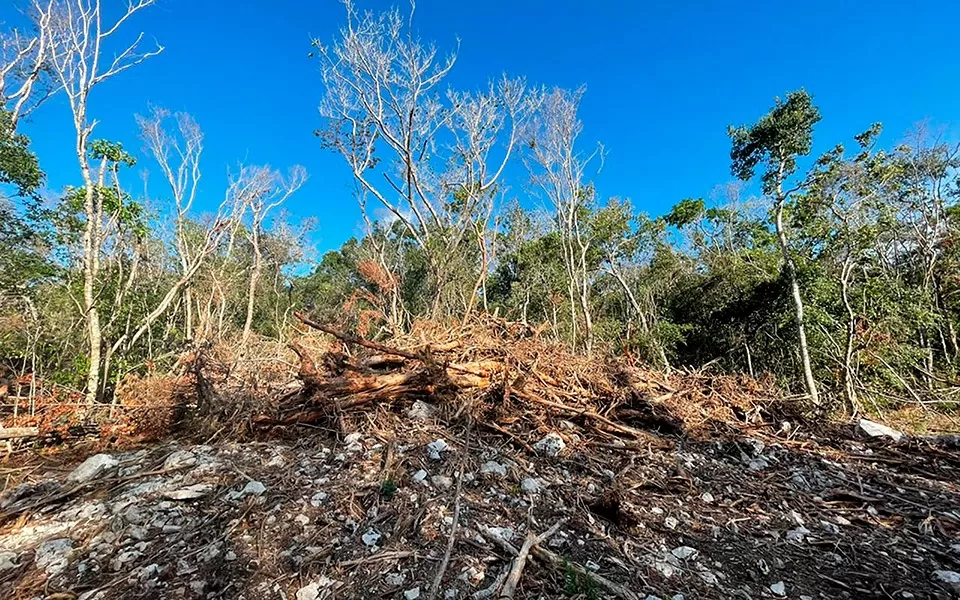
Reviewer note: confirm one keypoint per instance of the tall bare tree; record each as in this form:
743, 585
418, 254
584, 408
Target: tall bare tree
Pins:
178, 155
558, 169
261, 189
432, 162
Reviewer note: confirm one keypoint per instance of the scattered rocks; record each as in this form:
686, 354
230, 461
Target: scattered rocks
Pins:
874, 430
95, 467
550, 445
253, 488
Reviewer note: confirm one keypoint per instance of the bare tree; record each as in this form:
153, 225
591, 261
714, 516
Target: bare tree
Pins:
431, 162
261, 190
178, 154
558, 169
75, 33
23, 60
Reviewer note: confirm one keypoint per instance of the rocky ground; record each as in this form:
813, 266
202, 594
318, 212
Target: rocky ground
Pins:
779, 513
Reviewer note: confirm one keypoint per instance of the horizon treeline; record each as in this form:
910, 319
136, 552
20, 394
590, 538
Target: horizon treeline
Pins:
837, 274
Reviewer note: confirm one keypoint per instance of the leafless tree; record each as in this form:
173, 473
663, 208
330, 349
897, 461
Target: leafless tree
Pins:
431, 161
558, 169
75, 33
261, 190
178, 155
23, 61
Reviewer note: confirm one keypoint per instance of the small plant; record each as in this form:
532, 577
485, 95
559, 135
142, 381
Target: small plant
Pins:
388, 488
576, 583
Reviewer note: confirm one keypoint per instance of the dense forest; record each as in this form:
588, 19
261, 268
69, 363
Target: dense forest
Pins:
835, 275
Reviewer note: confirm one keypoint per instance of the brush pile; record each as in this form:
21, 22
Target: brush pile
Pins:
516, 383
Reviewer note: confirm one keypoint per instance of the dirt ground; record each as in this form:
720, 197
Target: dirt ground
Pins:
369, 510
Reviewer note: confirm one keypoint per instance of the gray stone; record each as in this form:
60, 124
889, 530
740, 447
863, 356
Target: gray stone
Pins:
8, 561
421, 411
798, 535
180, 459
371, 537
551, 445
309, 592
779, 589
191, 492
412, 594
253, 488
950, 578
684, 552
420, 476
394, 579
493, 468
436, 448
670, 523
530, 485
874, 430
52, 556
94, 467
442, 482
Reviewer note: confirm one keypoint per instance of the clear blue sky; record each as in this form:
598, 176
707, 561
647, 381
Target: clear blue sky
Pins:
663, 79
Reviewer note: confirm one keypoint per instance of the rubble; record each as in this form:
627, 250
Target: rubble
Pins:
94, 467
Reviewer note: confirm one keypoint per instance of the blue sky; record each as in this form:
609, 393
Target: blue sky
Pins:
663, 79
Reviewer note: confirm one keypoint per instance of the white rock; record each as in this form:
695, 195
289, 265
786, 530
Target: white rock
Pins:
371, 537
505, 533
436, 448
317, 499
955, 548
450, 594
779, 589
551, 445
592, 565
412, 594
8, 561
758, 464
843, 521
670, 523
652, 597
52, 556
421, 411
951, 578
302, 520
352, 438
707, 497
309, 592
420, 476
530, 485
191, 492
94, 467
394, 579
180, 459
442, 482
798, 535
493, 468
254, 488
684, 552
878, 430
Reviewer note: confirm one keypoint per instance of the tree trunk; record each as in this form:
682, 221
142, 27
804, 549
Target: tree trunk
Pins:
252, 290
848, 370
91, 267
791, 269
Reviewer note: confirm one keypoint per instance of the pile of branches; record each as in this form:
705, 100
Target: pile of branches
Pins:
510, 378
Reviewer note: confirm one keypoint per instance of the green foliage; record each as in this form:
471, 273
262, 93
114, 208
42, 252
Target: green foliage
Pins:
776, 140
18, 165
